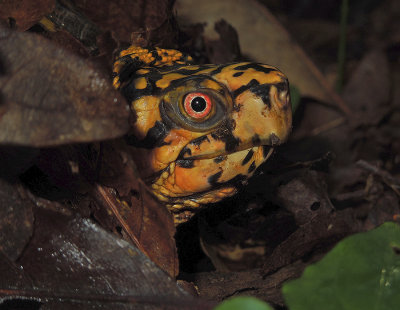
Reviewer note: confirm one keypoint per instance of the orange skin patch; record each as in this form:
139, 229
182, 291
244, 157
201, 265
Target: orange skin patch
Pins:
159, 158
166, 80
140, 83
147, 113
166, 154
254, 118
147, 57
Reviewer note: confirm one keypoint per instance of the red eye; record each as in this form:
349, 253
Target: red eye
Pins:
197, 105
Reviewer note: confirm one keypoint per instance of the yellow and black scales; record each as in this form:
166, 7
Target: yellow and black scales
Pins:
200, 130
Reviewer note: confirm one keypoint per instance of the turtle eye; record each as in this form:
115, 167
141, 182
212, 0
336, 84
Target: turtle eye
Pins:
197, 105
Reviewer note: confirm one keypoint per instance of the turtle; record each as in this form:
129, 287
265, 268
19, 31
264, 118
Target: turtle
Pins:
199, 132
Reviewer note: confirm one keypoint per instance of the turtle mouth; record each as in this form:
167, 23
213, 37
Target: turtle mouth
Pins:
185, 161
192, 182
207, 147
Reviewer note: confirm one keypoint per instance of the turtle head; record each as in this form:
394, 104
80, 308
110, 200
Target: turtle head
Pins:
199, 131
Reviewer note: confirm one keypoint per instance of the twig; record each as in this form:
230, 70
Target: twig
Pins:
360, 194
342, 44
387, 178
46, 295
109, 201
328, 126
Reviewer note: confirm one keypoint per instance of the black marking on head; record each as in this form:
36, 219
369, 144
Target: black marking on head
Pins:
274, 139
128, 74
185, 151
262, 91
219, 159
237, 74
156, 55
226, 136
248, 157
185, 163
255, 140
252, 167
283, 85
236, 107
238, 180
154, 138
155, 75
213, 179
243, 88
128, 70
217, 70
131, 93
254, 66
174, 67
266, 149
231, 142
200, 140
188, 72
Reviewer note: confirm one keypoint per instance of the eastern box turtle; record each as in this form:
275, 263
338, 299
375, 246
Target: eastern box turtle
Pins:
199, 130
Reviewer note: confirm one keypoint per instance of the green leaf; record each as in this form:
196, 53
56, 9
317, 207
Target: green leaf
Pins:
294, 97
243, 303
361, 272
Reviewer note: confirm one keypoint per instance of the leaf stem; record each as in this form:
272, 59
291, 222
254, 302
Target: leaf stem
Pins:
344, 12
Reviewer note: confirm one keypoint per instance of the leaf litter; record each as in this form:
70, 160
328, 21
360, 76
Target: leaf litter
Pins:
84, 203
332, 176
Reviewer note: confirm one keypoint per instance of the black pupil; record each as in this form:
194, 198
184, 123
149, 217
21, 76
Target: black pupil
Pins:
198, 104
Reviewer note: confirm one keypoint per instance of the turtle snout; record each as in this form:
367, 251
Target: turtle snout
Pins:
281, 98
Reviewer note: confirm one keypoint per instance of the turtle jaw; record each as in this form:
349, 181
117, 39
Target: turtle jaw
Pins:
190, 183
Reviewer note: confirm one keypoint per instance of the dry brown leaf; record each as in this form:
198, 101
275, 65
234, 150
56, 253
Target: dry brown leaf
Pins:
72, 263
227, 48
262, 39
24, 13
51, 97
16, 220
146, 222
368, 91
127, 18
106, 176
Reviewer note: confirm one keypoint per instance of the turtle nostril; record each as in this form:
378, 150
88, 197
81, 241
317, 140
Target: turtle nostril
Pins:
284, 98
280, 98
274, 139
283, 95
